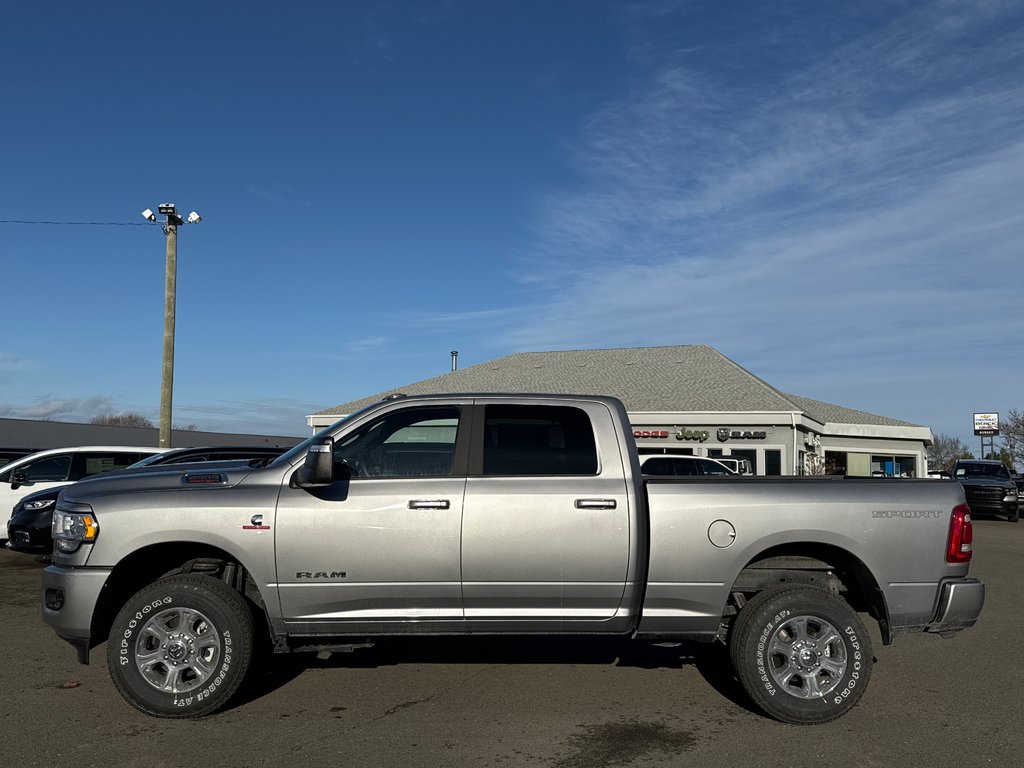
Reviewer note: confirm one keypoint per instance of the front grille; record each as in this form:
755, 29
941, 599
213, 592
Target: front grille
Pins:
986, 494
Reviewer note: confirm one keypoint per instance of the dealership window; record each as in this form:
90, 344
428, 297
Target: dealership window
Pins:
835, 462
663, 451
773, 462
893, 466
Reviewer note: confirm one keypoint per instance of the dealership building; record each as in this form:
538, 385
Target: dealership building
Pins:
694, 400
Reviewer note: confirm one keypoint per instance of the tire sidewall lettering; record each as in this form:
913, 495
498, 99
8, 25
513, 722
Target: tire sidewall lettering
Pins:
760, 658
208, 689
124, 647
854, 668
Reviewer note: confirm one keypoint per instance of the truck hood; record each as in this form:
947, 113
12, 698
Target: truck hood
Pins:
184, 477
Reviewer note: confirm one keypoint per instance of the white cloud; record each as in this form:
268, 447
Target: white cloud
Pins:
13, 362
860, 215
273, 416
49, 408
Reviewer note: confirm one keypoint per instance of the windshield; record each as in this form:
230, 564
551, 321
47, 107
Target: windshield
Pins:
298, 450
149, 460
983, 470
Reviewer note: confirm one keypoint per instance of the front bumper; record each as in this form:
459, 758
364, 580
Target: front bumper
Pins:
960, 603
992, 502
993, 507
69, 601
30, 539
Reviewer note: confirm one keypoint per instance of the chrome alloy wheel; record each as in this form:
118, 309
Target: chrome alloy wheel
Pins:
177, 650
807, 657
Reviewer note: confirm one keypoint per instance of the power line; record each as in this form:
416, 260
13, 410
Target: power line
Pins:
81, 223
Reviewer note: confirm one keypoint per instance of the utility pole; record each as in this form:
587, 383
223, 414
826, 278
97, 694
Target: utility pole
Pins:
171, 224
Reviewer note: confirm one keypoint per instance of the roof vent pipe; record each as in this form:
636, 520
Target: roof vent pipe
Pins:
455, 360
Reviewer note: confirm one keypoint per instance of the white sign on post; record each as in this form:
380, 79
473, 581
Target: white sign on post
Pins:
986, 424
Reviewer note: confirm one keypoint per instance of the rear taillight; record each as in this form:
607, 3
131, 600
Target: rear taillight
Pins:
961, 536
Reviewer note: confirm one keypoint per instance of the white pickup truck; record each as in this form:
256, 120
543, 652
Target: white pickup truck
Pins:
498, 514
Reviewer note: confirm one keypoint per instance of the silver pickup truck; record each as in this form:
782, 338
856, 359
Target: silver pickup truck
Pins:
498, 514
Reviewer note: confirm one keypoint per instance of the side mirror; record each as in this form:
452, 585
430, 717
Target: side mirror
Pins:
317, 470
19, 479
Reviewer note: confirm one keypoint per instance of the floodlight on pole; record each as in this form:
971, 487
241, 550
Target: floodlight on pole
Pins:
171, 222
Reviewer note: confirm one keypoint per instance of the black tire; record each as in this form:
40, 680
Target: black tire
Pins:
1014, 516
802, 654
181, 646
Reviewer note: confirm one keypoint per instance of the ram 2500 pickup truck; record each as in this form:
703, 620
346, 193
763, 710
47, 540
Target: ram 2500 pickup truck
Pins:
988, 487
498, 514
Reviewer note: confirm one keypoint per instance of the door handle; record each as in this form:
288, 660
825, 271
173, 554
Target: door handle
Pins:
430, 504
595, 503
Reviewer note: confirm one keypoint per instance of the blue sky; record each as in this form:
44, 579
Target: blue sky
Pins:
829, 193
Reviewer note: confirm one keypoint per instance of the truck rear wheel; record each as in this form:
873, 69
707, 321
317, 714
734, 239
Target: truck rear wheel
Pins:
181, 646
801, 654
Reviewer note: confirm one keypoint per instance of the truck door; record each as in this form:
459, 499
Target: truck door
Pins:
382, 543
545, 529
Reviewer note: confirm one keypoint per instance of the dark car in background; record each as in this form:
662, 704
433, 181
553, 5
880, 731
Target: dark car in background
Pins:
28, 530
988, 487
266, 453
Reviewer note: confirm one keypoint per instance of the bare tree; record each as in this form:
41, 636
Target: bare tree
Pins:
945, 450
1011, 429
815, 464
122, 420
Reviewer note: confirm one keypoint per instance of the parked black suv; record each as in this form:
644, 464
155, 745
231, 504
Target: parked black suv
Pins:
988, 487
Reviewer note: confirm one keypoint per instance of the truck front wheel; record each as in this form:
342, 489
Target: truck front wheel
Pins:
181, 646
801, 654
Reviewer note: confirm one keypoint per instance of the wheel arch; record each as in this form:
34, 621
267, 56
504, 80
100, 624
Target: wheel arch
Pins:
150, 563
817, 564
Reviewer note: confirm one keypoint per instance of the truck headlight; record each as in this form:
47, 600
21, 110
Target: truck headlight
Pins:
74, 524
35, 506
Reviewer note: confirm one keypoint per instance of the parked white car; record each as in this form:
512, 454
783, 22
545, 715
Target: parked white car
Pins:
60, 466
739, 466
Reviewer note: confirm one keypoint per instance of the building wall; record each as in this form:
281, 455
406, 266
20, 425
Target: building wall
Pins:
769, 447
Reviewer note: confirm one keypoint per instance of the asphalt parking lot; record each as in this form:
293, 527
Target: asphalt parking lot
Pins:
564, 704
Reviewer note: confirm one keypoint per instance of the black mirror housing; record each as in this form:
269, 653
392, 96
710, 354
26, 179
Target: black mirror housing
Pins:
317, 470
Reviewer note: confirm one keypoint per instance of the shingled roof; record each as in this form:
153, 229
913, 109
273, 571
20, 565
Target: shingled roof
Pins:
827, 413
691, 378
31, 433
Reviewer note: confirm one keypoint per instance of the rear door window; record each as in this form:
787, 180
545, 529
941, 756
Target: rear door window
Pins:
538, 440
89, 463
